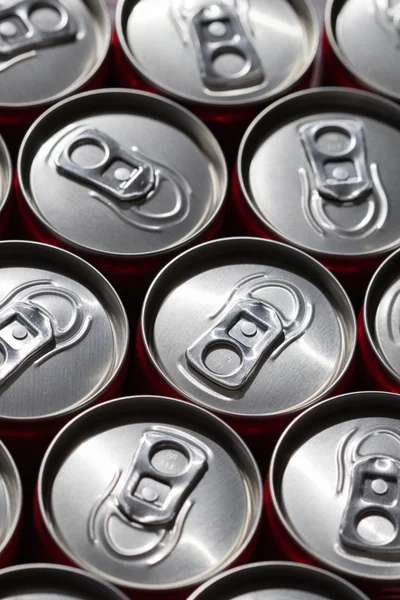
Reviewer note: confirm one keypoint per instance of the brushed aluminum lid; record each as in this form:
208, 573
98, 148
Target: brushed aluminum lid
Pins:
335, 484
122, 174
49, 49
275, 581
163, 493
365, 34
63, 332
319, 170
229, 52
248, 327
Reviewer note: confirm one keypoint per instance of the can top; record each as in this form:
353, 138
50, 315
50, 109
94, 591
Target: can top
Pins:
37, 37
163, 493
380, 314
52, 582
5, 174
122, 173
365, 36
270, 332
60, 322
335, 481
230, 52
329, 157
271, 580
10, 497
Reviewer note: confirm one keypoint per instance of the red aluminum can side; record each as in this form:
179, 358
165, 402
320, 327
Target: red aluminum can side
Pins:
132, 413
285, 538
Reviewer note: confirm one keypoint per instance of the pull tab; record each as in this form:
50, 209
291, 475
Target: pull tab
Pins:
165, 470
337, 154
25, 331
371, 521
19, 32
389, 15
228, 353
220, 32
120, 173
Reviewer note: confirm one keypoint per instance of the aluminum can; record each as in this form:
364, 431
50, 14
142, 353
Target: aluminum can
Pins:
163, 496
48, 50
332, 492
234, 56
250, 329
379, 338
277, 579
329, 156
125, 179
32, 581
361, 46
5, 186
63, 344
10, 507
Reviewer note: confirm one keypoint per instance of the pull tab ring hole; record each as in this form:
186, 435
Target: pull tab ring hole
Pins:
222, 359
334, 141
88, 153
230, 63
376, 528
46, 17
170, 459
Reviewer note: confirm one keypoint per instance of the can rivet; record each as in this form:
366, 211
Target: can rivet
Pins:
149, 494
122, 174
217, 29
19, 332
8, 29
340, 173
379, 486
248, 329
383, 464
212, 12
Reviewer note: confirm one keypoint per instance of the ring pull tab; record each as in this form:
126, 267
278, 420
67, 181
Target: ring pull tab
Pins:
336, 151
388, 15
228, 353
25, 332
371, 520
121, 173
166, 469
219, 31
19, 33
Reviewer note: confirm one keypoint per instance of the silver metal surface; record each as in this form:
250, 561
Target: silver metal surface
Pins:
274, 45
199, 346
380, 314
5, 174
60, 322
10, 497
327, 475
366, 34
90, 464
53, 582
277, 581
122, 173
329, 157
36, 38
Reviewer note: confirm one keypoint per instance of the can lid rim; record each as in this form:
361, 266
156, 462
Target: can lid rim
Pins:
270, 487
148, 587
270, 96
235, 417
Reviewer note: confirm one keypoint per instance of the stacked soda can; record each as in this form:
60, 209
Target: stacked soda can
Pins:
200, 299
